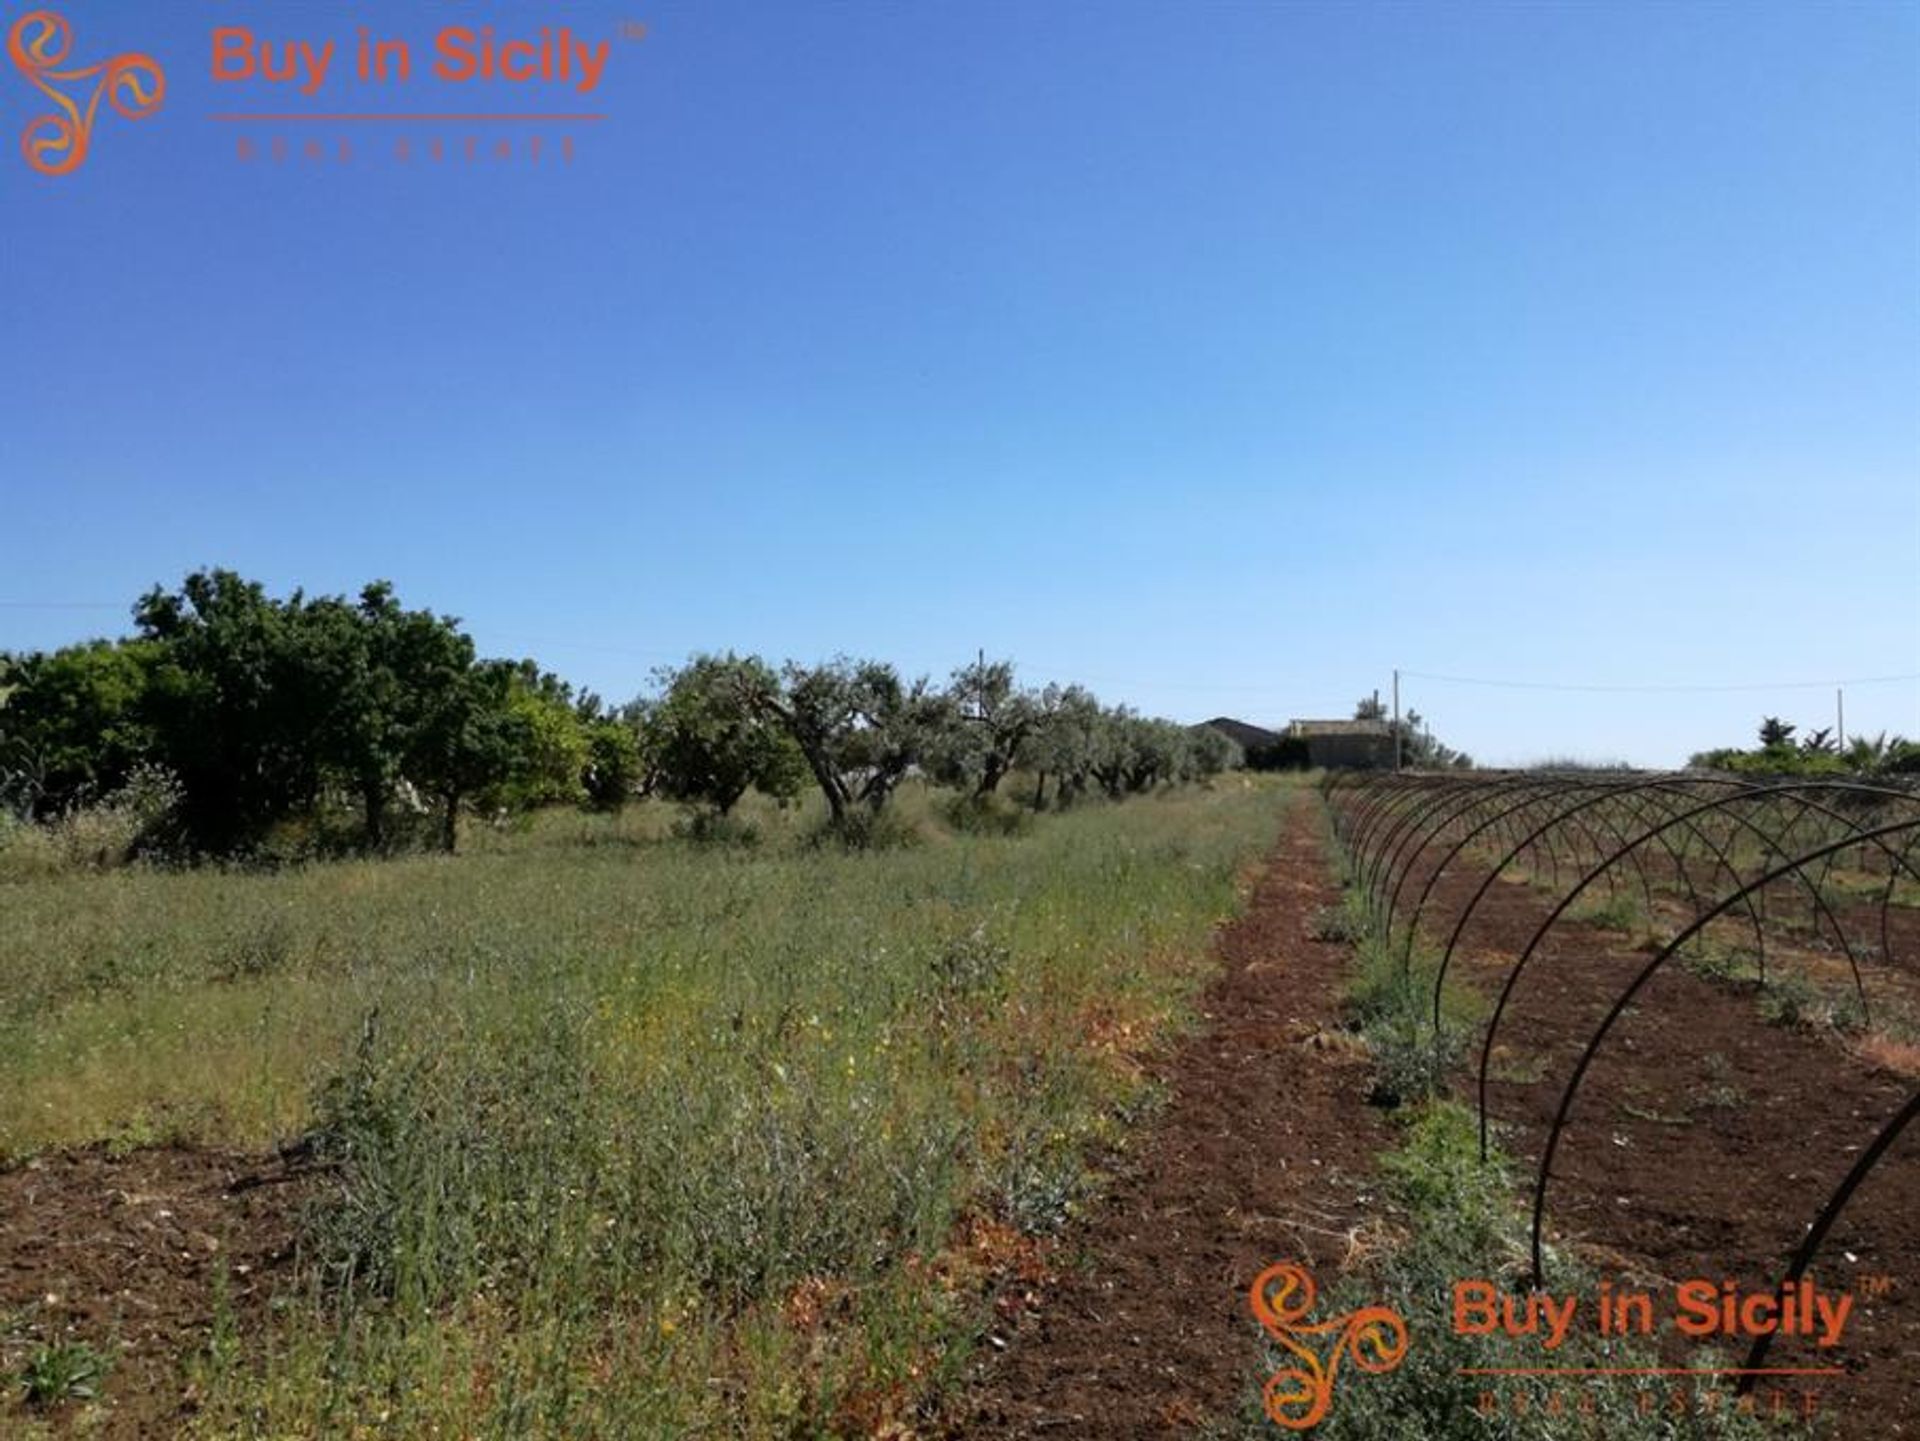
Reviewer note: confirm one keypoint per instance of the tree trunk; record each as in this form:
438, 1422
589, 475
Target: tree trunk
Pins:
830, 784
373, 799
990, 776
1040, 791
450, 824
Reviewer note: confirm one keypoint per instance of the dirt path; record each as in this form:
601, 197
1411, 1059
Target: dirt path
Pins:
1261, 1155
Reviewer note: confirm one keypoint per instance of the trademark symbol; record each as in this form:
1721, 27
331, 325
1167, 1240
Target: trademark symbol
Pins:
1875, 1286
633, 29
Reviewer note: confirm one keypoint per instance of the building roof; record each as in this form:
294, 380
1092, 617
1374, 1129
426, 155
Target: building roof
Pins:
1312, 729
1243, 734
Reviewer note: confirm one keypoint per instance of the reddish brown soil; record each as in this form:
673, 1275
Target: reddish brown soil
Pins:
1261, 1155
1703, 1141
121, 1253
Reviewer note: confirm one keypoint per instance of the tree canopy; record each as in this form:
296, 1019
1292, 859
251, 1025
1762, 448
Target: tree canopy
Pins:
264, 711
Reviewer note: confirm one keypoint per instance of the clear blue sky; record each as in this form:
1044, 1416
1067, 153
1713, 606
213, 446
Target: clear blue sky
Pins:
1223, 356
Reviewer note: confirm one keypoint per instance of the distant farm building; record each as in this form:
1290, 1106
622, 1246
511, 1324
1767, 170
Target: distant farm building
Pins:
1345, 744
1247, 737
1260, 749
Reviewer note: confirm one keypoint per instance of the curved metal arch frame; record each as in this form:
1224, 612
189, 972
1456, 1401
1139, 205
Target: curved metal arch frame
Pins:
1817, 1232
1433, 878
1647, 972
1723, 804
1527, 799
1757, 793
1422, 803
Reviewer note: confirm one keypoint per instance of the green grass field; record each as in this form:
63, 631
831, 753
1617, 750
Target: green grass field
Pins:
637, 1136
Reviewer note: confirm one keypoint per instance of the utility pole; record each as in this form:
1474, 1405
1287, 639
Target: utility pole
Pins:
1840, 716
1396, 718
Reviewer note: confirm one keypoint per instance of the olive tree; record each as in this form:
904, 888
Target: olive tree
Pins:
858, 725
1212, 752
1065, 742
991, 727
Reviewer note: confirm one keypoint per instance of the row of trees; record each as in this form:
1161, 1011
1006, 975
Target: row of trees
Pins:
262, 710
1815, 753
858, 729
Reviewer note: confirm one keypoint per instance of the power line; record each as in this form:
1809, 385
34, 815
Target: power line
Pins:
1663, 689
1265, 690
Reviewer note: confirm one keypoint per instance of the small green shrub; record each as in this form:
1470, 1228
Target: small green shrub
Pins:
1790, 1001
257, 946
988, 815
1712, 961
62, 1371
1346, 922
1411, 1061
140, 820
714, 828
864, 829
27, 851
1040, 1187
1847, 1015
1617, 912
971, 963
1719, 1091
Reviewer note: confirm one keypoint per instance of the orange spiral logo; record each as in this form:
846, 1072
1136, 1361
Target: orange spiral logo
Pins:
1297, 1397
57, 144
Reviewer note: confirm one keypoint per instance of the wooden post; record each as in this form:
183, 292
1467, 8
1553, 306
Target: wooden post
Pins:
1396, 718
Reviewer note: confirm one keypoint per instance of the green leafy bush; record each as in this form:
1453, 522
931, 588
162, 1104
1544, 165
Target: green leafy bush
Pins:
1789, 1000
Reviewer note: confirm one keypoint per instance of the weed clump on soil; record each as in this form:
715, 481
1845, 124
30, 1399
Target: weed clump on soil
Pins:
62, 1371
1391, 999
1790, 1001
1720, 1089
1345, 922
1713, 960
1411, 1063
1390, 996
1847, 1015
1617, 912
